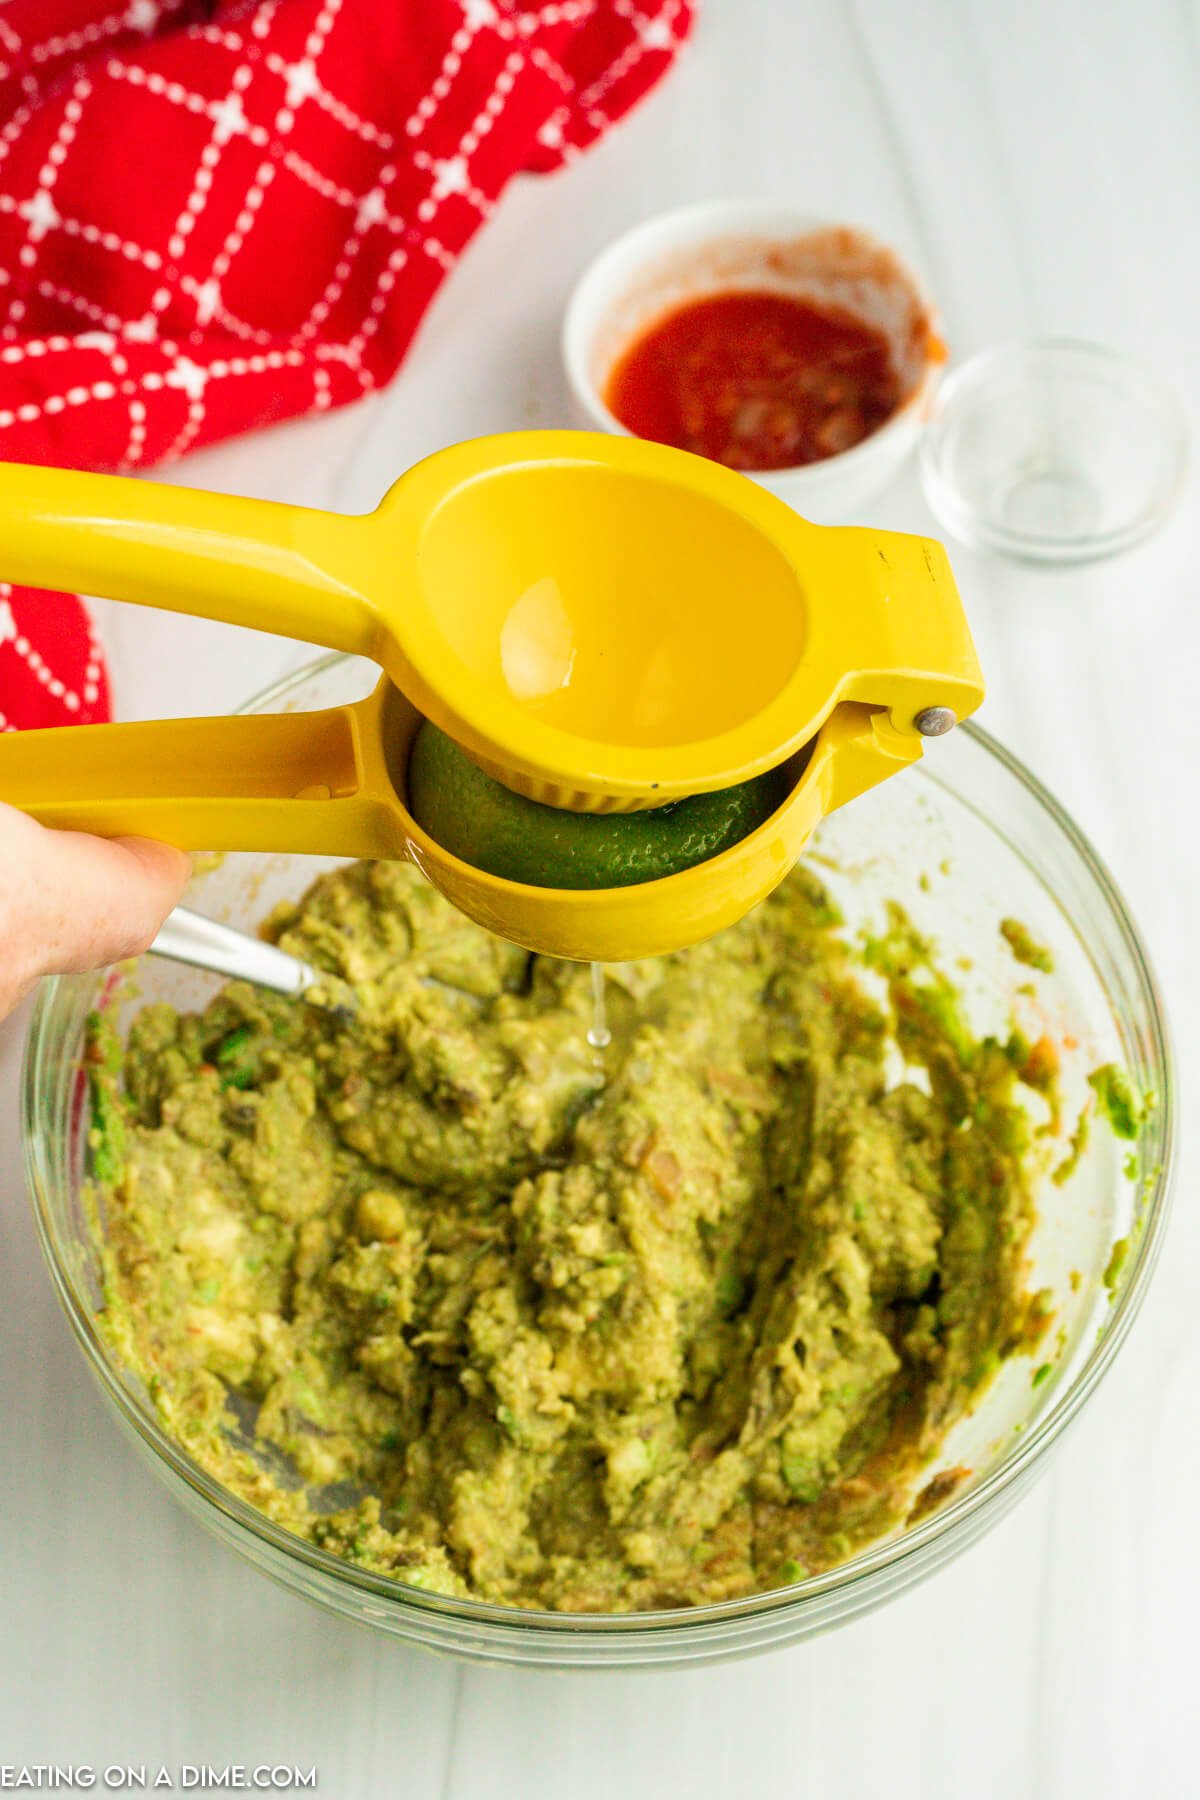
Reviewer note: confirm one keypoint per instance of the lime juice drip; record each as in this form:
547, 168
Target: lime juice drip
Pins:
599, 1036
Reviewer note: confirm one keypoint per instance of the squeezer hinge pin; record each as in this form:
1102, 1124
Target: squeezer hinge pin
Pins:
935, 721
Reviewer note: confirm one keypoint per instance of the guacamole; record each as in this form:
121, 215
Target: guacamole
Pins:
1025, 946
438, 1286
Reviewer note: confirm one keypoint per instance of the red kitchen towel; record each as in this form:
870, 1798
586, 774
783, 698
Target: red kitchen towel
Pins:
216, 214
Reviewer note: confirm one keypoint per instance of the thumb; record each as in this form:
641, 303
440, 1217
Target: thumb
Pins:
105, 898
71, 901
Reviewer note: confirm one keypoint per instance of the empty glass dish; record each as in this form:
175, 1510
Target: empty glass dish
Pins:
1053, 450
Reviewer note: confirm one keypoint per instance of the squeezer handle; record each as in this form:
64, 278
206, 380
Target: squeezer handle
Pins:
289, 570
313, 783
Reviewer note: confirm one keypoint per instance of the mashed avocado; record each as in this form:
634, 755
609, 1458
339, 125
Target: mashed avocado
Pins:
1025, 946
440, 1291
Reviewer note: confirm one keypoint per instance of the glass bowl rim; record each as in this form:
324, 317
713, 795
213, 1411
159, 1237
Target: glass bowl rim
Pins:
947, 1522
964, 520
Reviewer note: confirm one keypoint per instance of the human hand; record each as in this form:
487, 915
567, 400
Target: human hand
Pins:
69, 901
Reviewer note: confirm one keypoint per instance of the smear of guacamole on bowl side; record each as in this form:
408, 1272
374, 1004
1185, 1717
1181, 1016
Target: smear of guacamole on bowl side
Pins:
431, 1292
1114, 1268
1025, 947
1076, 1146
1118, 1101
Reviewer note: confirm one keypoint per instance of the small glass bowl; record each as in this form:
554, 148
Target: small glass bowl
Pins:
1052, 450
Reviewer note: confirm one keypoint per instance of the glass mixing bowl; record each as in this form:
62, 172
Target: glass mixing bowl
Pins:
962, 841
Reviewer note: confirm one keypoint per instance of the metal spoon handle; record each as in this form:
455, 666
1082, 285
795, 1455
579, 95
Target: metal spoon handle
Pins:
187, 937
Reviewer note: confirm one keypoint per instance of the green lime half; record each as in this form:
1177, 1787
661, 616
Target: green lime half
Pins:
486, 824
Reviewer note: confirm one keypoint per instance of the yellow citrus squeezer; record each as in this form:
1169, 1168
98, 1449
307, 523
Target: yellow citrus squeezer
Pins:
602, 623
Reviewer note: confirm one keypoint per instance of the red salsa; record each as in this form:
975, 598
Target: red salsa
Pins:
756, 381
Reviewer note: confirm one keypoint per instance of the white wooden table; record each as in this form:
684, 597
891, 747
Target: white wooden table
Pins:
1041, 160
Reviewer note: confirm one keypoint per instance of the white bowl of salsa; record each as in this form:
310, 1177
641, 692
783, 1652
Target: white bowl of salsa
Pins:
802, 352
